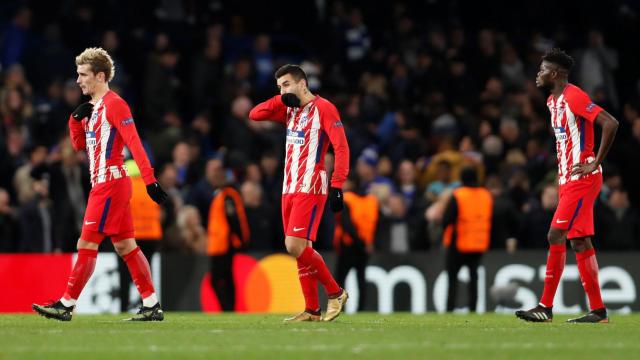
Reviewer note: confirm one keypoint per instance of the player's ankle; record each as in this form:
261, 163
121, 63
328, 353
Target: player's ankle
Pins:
68, 302
150, 301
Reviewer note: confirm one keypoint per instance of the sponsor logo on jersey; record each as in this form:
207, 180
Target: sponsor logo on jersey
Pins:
295, 137
561, 134
90, 137
337, 124
128, 121
590, 107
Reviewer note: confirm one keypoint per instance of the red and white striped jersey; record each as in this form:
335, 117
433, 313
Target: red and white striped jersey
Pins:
572, 117
309, 131
104, 134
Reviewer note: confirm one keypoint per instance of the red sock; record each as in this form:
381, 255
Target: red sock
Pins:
82, 270
140, 272
555, 266
312, 259
588, 268
309, 285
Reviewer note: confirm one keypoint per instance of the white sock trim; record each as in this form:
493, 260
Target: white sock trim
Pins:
68, 302
150, 300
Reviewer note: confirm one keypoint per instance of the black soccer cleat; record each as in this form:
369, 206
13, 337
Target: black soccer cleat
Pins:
153, 313
55, 310
537, 314
594, 316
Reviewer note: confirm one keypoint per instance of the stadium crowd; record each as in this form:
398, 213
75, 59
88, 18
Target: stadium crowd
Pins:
422, 92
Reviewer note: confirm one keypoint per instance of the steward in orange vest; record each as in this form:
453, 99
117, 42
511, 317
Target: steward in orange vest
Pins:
354, 233
467, 222
228, 232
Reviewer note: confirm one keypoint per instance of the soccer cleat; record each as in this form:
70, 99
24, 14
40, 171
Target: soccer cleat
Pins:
335, 306
594, 316
153, 313
302, 317
537, 314
55, 310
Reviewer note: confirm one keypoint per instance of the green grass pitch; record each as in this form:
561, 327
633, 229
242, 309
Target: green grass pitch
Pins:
365, 336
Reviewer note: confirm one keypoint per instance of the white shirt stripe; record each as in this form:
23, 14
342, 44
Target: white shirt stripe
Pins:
575, 140
312, 154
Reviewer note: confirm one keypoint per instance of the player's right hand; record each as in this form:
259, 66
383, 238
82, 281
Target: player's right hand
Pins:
82, 111
290, 100
156, 193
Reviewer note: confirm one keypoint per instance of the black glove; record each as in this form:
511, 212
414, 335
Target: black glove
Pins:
82, 111
290, 100
156, 193
336, 200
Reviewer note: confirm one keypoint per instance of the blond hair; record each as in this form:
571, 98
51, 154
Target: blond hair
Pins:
99, 61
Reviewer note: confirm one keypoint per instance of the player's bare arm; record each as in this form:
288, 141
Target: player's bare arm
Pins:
609, 128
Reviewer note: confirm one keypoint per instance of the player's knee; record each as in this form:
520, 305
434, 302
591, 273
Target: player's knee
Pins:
579, 245
124, 247
294, 248
555, 236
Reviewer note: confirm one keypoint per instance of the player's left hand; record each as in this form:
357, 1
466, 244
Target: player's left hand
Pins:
336, 200
583, 169
290, 100
156, 193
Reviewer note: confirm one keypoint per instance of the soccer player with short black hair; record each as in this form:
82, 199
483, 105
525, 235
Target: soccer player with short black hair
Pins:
312, 123
573, 115
102, 127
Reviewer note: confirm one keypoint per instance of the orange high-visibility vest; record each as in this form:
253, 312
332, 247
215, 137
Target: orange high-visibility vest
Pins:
219, 231
473, 224
364, 211
147, 215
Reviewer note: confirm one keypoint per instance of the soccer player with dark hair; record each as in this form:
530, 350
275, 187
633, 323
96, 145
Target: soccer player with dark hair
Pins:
573, 115
102, 127
312, 123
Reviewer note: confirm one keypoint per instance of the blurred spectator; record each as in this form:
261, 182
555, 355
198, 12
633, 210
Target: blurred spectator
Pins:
505, 226
16, 111
393, 232
618, 224
444, 181
596, 64
187, 235
161, 87
23, 180
69, 190
201, 194
9, 224
16, 38
36, 215
206, 73
259, 217
536, 221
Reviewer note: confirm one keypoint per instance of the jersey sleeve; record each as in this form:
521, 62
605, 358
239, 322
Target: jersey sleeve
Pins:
272, 109
581, 105
78, 137
332, 126
119, 115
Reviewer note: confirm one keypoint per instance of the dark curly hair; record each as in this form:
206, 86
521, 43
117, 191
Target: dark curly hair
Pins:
560, 58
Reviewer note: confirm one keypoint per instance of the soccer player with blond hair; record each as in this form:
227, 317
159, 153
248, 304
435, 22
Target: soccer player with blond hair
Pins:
102, 127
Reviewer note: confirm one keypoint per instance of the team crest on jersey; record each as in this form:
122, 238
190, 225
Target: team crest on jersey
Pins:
94, 116
90, 137
560, 111
303, 121
295, 137
561, 134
